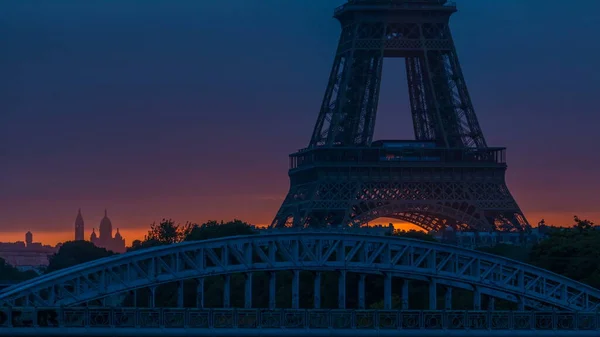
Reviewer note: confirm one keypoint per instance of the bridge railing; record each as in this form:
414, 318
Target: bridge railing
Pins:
160, 318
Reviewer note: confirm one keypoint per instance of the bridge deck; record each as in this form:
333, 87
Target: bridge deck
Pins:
309, 322
109, 332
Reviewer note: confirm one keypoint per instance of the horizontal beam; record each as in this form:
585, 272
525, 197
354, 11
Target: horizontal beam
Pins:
122, 321
245, 332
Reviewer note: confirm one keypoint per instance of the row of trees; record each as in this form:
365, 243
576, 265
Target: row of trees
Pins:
10, 274
572, 252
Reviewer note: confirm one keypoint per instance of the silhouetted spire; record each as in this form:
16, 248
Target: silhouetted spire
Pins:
79, 226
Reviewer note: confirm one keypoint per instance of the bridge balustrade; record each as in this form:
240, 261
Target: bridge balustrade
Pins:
160, 318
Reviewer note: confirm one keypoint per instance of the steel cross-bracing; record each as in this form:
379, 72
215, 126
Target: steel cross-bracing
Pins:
447, 177
86, 321
419, 32
441, 266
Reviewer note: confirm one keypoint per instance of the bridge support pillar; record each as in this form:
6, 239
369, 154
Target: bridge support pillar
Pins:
317, 291
521, 303
152, 300
448, 299
432, 295
227, 292
405, 284
296, 289
387, 291
361, 291
342, 289
272, 290
248, 291
200, 293
491, 303
52, 294
180, 295
477, 299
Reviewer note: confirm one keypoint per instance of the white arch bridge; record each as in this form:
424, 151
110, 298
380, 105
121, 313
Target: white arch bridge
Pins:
345, 252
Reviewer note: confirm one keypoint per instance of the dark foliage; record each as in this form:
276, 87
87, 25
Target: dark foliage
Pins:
413, 234
572, 252
10, 274
75, 252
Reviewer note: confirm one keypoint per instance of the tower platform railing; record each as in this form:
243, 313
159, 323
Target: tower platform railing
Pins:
400, 4
366, 156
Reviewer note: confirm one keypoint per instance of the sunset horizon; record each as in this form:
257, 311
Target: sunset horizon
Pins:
137, 232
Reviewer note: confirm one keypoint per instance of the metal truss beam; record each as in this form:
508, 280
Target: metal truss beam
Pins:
308, 250
429, 201
441, 106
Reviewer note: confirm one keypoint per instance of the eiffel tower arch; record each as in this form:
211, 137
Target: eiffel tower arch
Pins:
446, 177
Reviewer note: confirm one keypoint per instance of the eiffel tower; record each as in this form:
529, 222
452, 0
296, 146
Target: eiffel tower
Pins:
447, 177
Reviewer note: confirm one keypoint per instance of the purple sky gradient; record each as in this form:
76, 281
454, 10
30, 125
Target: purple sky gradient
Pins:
188, 109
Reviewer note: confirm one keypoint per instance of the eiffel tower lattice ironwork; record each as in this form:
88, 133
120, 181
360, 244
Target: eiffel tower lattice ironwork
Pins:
447, 177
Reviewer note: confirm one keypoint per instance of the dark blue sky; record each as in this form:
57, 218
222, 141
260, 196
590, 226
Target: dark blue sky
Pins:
188, 109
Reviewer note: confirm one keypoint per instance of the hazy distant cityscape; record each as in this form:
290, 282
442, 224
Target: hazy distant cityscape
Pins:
30, 255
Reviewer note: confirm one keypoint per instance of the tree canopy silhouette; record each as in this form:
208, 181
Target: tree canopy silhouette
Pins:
9, 273
72, 253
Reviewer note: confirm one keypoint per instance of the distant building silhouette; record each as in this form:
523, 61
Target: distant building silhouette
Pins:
79, 227
28, 254
472, 239
106, 239
29, 239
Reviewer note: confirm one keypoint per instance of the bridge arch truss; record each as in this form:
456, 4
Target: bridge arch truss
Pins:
309, 250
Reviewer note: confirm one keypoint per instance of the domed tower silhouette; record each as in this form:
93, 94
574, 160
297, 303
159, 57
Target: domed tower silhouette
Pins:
118, 241
105, 227
93, 237
118, 235
105, 238
79, 227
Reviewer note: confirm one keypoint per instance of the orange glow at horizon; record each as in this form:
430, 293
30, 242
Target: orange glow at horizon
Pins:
132, 234
137, 233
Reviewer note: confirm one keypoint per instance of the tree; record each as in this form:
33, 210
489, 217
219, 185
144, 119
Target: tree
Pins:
414, 234
572, 252
10, 274
214, 230
76, 252
165, 233
582, 226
